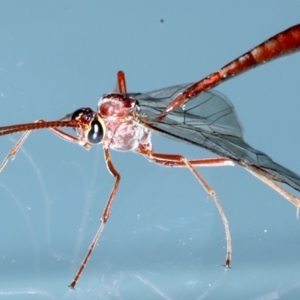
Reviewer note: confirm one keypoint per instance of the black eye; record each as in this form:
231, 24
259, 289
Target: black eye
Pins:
95, 134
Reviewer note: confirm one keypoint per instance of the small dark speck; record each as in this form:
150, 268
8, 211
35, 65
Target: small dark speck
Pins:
162, 20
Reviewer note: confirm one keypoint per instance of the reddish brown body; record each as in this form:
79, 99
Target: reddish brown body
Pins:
119, 125
124, 132
283, 43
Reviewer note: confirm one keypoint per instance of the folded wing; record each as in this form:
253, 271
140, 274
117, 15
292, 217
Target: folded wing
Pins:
209, 121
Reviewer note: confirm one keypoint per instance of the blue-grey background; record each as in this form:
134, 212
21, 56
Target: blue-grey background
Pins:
165, 239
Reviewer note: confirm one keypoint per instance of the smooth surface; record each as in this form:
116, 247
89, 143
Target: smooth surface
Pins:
165, 239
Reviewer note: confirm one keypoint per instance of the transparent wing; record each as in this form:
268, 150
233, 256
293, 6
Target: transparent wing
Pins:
210, 112
209, 121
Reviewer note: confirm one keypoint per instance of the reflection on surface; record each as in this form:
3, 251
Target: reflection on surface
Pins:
164, 239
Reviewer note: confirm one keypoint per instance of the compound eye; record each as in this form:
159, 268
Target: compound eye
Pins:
95, 134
